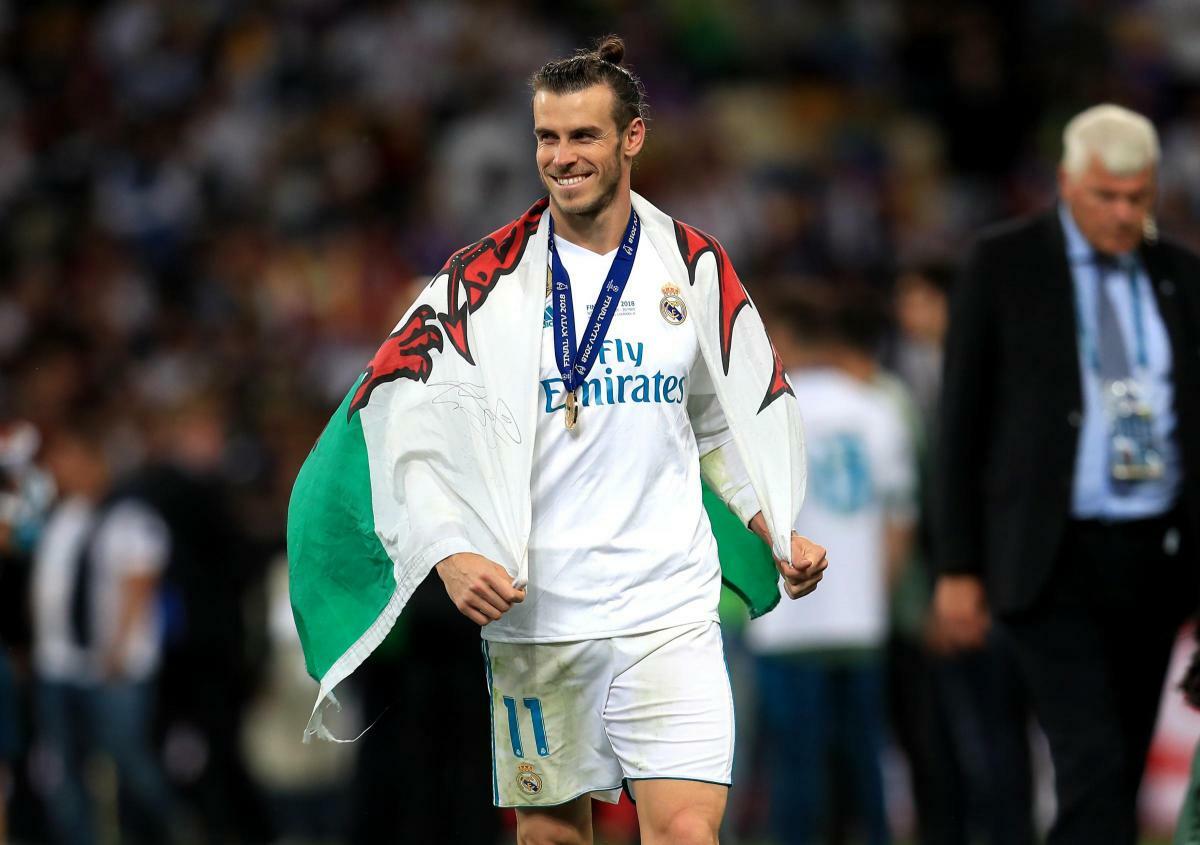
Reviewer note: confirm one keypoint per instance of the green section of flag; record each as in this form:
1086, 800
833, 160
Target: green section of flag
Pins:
747, 567
341, 578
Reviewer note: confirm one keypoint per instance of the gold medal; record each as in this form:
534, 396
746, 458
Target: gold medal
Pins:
572, 411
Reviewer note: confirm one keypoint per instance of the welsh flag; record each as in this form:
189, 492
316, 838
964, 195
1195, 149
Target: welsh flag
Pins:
331, 520
416, 465
342, 579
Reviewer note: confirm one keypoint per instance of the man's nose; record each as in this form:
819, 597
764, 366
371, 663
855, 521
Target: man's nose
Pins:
1129, 212
564, 155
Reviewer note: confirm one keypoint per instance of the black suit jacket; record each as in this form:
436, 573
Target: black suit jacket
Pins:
1012, 404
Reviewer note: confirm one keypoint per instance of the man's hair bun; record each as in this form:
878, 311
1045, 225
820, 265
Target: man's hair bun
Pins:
611, 49
600, 65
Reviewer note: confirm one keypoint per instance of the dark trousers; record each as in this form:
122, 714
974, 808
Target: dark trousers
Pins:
75, 720
1093, 652
812, 709
963, 723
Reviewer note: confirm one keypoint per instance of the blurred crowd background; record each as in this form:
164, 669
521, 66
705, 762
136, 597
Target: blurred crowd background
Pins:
213, 211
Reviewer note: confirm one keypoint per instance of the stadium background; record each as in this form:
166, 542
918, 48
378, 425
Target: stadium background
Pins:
213, 211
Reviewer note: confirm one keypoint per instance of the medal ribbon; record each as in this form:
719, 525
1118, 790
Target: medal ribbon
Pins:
574, 364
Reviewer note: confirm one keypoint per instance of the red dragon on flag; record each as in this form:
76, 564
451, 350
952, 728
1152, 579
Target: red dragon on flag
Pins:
407, 353
693, 244
475, 269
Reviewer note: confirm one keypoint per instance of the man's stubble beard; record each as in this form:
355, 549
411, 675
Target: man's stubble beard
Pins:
608, 192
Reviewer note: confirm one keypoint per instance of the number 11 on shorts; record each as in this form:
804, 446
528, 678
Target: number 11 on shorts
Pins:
534, 706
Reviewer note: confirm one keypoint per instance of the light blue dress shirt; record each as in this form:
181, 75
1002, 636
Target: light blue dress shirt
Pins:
1093, 494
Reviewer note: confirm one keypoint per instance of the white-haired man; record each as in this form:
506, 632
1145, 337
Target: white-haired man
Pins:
1069, 467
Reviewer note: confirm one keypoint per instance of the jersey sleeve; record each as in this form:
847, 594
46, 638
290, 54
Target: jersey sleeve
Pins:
721, 466
134, 540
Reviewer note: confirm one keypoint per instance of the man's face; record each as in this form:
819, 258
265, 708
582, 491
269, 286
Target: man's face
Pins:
582, 157
75, 465
920, 308
1109, 210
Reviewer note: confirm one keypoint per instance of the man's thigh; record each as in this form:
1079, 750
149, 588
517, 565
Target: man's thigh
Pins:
669, 712
571, 719
548, 741
679, 812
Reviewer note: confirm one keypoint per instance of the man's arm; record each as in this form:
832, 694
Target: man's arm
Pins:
136, 543
960, 606
137, 594
481, 589
721, 466
722, 469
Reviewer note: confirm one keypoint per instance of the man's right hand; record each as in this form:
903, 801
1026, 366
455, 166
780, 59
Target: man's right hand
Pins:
960, 612
481, 589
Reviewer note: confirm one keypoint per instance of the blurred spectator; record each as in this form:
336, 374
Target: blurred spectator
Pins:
961, 719
97, 642
210, 664
26, 493
1069, 463
306, 785
825, 661
920, 306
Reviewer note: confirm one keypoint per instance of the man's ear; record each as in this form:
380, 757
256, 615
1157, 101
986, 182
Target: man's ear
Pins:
1064, 180
634, 137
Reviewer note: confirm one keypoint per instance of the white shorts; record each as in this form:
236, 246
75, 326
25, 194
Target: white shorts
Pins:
570, 719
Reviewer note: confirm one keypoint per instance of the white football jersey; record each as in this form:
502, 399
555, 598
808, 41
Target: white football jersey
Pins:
620, 541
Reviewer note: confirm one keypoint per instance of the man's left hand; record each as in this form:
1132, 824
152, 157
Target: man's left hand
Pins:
808, 561
801, 576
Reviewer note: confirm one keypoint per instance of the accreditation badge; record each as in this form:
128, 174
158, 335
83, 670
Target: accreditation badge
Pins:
1133, 454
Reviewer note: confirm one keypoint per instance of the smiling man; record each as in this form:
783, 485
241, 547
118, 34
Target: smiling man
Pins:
1069, 469
536, 430
609, 670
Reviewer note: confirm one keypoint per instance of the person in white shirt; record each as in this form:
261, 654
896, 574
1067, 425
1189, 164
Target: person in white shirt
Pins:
825, 658
97, 639
611, 672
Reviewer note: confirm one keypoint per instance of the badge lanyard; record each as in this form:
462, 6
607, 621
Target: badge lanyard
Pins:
575, 363
1133, 455
1088, 339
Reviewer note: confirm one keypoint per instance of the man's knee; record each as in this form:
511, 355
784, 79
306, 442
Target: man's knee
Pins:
570, 824
678, 812
557, 833
688, 827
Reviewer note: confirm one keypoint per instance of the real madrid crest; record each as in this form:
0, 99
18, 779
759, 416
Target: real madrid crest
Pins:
671, 306
529, 780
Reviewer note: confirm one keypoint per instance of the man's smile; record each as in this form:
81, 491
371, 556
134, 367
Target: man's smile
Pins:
571, 180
